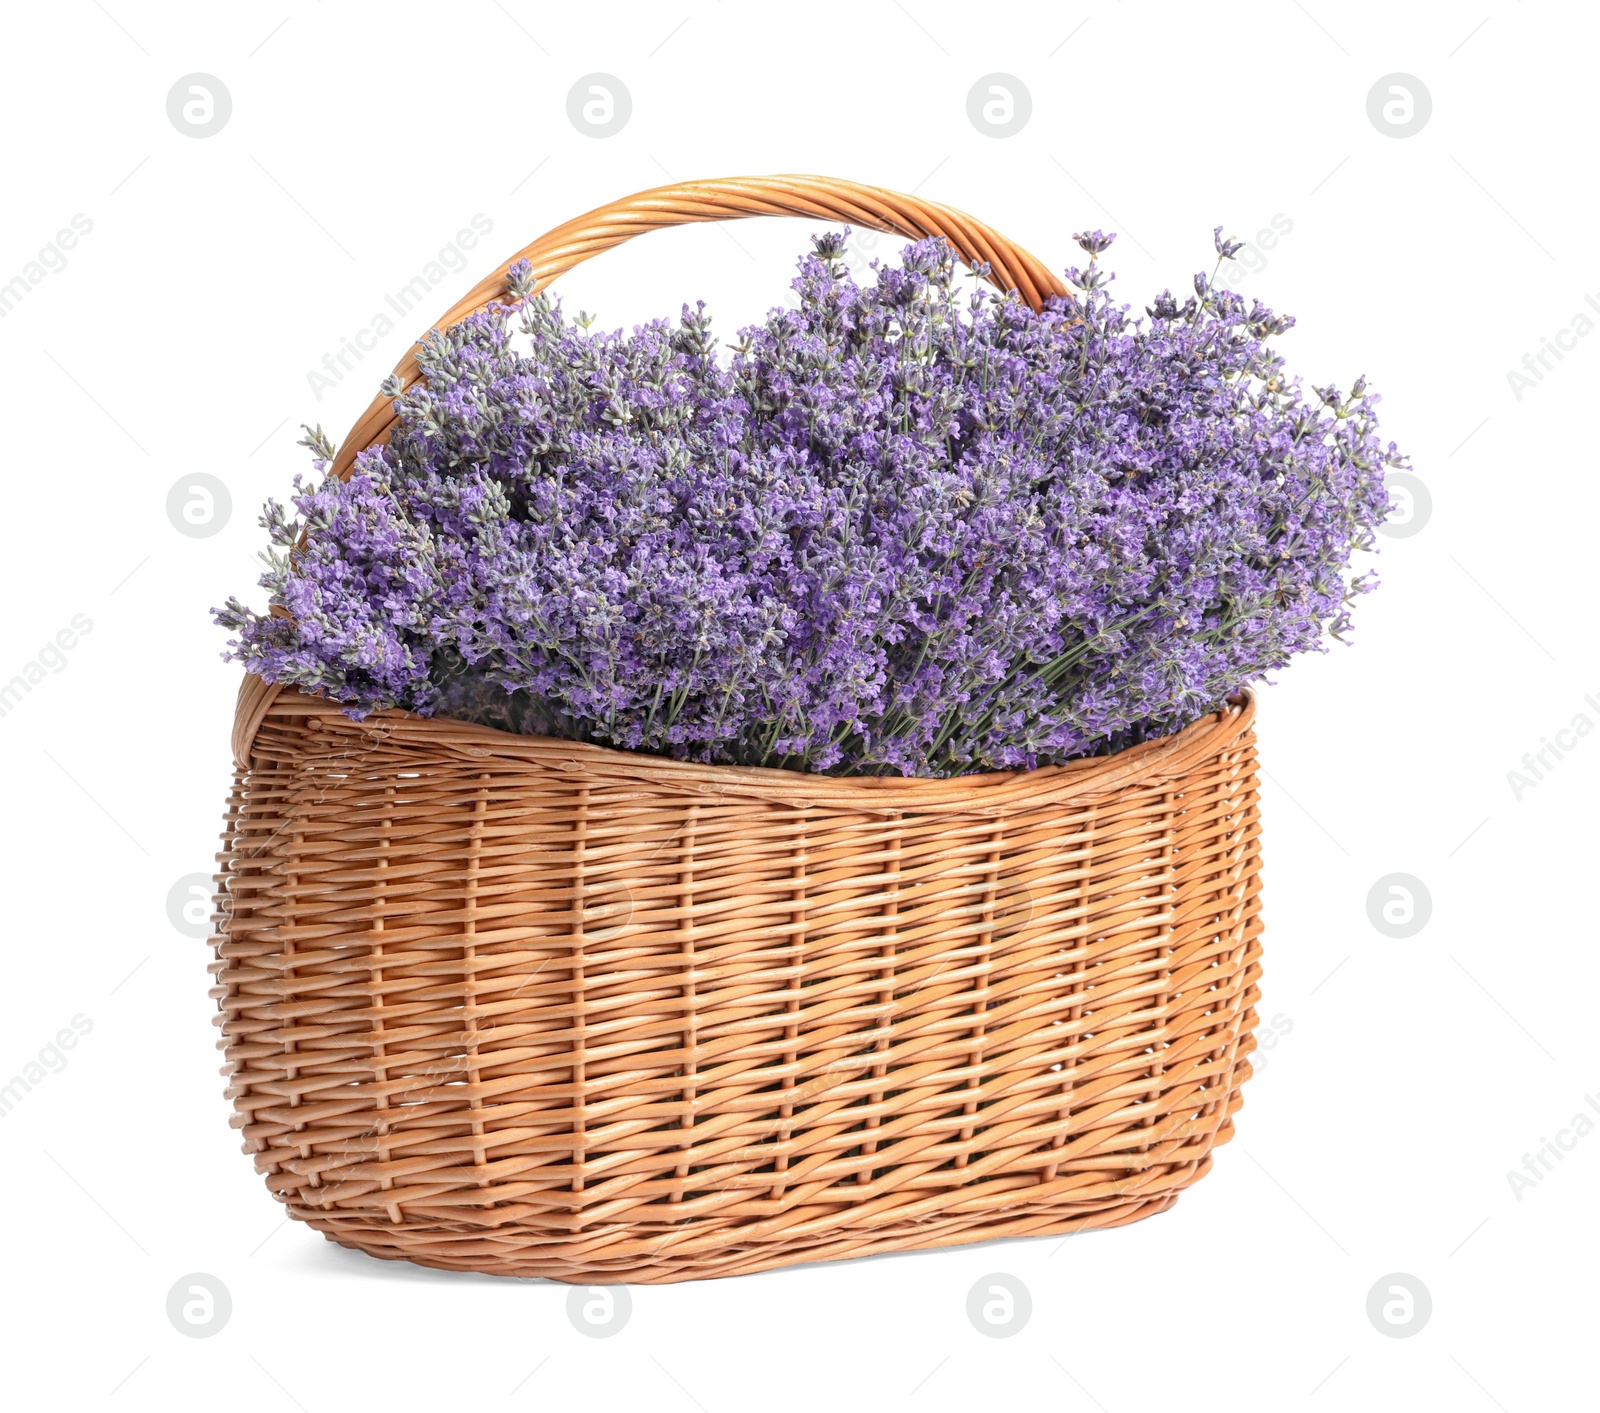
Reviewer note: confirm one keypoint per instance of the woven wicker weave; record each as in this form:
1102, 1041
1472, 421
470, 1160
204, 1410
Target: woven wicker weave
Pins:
539, 1008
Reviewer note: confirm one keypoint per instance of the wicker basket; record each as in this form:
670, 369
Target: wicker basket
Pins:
539, 1008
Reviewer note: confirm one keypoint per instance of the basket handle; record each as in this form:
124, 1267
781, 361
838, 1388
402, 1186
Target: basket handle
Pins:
723, 199
720, 199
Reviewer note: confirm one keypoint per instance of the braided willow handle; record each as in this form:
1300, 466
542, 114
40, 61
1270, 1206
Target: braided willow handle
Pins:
721, 199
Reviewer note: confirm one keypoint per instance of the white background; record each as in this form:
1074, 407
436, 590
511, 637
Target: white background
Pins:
1408, 1076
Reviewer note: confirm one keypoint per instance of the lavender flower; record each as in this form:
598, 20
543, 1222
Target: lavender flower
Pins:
902, 529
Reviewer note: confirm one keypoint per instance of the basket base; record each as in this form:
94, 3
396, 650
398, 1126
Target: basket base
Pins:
622, 1258
536, 1008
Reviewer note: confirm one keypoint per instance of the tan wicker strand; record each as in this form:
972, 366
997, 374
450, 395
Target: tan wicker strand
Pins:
539, 1008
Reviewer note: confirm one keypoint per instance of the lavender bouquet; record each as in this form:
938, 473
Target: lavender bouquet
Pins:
902, 528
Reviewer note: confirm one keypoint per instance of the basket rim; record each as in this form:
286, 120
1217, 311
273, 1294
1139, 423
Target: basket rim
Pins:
1087, 778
